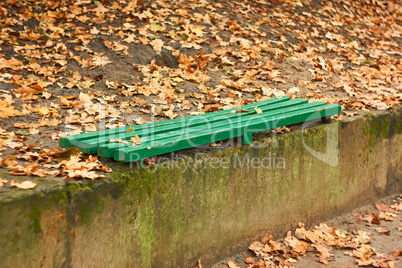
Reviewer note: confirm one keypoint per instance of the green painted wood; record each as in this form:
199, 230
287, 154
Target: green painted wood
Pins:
134, 153
181, 133
107, 150
161, 132
74, 140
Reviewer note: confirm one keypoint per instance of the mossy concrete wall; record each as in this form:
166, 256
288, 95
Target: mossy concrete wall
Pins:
173, 215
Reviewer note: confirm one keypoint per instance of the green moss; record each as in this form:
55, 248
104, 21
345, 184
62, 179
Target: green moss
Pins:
78, 187
59, 197
168, 216
145, 223
370, 131
385, 127
35, 216
397, 121
376, 128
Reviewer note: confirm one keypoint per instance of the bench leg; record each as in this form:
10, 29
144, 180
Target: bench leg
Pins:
326, 119
247, 138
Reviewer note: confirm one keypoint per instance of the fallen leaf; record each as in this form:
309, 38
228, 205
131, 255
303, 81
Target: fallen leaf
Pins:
214, 144
135, 140
118, 141
23, 185
363, 237
384, 208
150, 160
370, 218
156, 28
239, 111
2, 182
6, 109
66, 154
383, 230
250, 260
397, 253
258, 110
323, 252
9, 161
384, 216
233, 265
157, 44
29, 169
364, 252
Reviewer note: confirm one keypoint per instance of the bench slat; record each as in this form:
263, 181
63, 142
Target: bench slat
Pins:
92, 145
107, 150
75, 140
181, 133
133, 153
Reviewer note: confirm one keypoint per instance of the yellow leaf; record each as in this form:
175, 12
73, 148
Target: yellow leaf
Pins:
156, 28
66, 154
178, 79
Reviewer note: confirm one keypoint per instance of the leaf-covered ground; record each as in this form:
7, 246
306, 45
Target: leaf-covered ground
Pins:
368, 237
68, 67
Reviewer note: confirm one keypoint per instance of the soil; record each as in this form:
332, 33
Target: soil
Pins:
348, 53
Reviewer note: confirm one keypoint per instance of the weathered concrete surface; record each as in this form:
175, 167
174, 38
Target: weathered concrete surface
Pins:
169, 217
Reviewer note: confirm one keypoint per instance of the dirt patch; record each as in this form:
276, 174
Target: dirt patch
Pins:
87, 66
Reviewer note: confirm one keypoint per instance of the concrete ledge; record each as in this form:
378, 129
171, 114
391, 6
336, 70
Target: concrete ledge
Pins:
172, 215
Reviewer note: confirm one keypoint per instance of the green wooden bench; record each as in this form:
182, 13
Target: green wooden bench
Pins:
162, 137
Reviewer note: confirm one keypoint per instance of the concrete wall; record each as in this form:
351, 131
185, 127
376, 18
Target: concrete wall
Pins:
170, 216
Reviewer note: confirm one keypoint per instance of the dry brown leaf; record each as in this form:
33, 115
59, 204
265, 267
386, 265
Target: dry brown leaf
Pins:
250, 260
303, 233
323, 253
199, 265
66, 154
363, 237
118, 141
397, 206
135, 140
240, 111
29, 169
85, 98
370, 218
397, 253
6, 109
90, 127
12, 64
383, 230
233, 265
84, 173
2, 182
364, 252
157, 44
77, 167
9, 161
23, 185
214, 144
384, 208
384, 216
